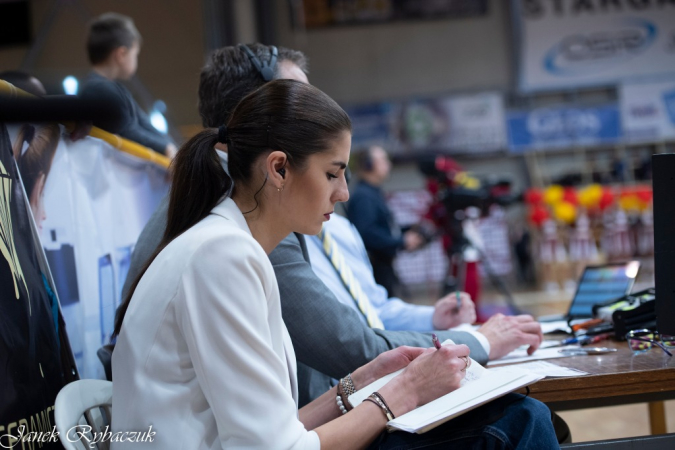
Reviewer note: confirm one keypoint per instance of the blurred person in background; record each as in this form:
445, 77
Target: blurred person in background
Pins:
113, 44
24, 81
368, 211
34, 149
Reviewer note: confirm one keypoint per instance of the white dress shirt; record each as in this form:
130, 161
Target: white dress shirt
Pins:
204, 355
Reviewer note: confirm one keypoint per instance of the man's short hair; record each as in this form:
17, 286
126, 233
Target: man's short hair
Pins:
362, 159
108, 32
229, 75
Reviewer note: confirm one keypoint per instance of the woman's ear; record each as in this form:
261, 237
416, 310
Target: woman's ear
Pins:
276, 168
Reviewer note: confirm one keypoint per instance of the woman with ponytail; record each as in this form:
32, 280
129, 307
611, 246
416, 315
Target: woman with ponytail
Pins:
203, 359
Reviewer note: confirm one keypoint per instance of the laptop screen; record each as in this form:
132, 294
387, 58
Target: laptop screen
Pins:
599, 284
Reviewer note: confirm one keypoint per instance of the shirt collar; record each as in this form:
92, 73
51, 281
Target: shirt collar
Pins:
229, 210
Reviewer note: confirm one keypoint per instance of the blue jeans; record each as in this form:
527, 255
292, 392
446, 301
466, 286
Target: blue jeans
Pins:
510, 422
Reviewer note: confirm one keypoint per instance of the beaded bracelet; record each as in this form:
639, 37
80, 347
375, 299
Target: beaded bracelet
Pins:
342, 401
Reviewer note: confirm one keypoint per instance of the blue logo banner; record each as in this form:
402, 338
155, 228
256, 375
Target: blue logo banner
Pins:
550, 128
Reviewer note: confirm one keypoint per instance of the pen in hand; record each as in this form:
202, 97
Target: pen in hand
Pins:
458, 304
435, 340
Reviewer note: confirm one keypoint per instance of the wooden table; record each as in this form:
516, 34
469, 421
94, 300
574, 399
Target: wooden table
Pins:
615, 379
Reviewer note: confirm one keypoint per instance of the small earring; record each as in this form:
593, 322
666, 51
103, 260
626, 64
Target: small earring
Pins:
281, 188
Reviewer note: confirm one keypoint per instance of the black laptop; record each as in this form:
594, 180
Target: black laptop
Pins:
599, 284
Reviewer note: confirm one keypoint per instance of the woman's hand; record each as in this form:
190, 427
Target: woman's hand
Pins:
435, 373
385, 363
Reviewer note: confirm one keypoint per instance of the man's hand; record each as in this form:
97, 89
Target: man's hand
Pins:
447, 315
506, 333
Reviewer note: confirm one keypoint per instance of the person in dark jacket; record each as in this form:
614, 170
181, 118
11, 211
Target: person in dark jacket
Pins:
368, 211
113, 45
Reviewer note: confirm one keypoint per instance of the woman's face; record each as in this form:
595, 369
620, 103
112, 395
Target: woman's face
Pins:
313, 192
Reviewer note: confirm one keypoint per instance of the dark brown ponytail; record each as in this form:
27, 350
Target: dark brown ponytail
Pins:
199, 183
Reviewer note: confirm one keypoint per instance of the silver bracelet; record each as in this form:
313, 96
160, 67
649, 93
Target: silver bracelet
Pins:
348, 385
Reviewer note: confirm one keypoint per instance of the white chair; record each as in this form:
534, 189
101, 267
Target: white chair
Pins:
82, 411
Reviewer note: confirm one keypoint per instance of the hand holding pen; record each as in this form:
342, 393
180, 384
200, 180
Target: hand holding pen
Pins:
437, 344
435, 340
453, 310
458, 298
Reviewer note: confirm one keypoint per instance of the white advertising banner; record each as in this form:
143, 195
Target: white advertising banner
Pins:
648, 111
95, 202
571, 43
477, 122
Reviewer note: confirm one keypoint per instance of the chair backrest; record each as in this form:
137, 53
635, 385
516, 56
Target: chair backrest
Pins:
82, 412
105, 355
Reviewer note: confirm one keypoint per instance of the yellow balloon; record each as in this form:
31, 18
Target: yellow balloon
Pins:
565, 212
553, 194
630, 203
590, 196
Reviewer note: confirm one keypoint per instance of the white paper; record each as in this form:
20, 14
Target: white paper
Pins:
555, 326
520, 355
546, 369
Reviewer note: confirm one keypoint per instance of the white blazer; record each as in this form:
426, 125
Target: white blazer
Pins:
204, 355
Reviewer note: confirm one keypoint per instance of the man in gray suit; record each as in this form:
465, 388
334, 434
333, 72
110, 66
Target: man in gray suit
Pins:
329, 338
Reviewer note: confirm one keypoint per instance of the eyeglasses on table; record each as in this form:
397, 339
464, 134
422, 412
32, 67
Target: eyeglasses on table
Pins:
642, 340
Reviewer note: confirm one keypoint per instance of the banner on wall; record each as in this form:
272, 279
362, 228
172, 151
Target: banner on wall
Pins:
569, 43
454, 124
648, 111
95, 203
322, 13
551, 128
35, 356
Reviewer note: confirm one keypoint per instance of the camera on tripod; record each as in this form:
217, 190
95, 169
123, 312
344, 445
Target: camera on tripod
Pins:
454, 191
457, 190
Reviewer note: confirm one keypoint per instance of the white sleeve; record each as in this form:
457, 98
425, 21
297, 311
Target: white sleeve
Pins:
224, 319
480, 337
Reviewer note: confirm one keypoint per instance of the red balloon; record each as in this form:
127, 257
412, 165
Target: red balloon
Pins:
570, 196
607, 199
627, 192
533, 196
644, 194
538, 215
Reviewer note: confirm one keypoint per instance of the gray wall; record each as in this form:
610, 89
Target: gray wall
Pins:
359, 64
398, 60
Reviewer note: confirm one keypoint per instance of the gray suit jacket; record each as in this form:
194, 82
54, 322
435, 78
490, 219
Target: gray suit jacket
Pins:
329, 338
